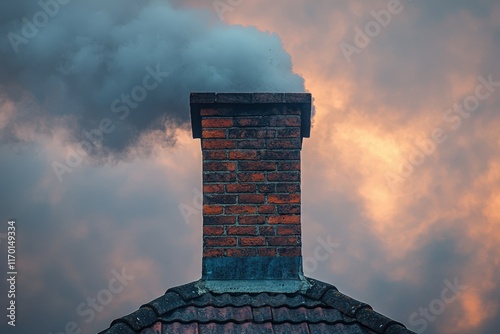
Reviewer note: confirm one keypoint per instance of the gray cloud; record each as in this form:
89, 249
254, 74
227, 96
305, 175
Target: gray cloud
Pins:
84, 64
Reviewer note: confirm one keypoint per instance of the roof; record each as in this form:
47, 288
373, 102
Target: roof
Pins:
191, 308
210, 100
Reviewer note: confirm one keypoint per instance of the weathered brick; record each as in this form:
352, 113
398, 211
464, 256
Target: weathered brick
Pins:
251, 177
213, 188
251, 133
251, 220
266, 187
244, 155
286, 165
218, 122
283, 143
256, 165
280, 154
217, 144
266, 230
219, 199
213, 230
219, 166
240, 188
239, 209
217, 112
241, 252
288, 219
261, 251
289, 251
267, 209
250, 121
283, 177
219, 220
288, 208
288, 187
283, 241
288, 230
212, 209
251, 198
242, 230
251, 241
219, 133
250, 144
213, 252
218, 177
288, 120
289, 133
219, 241
283, 198
214, 155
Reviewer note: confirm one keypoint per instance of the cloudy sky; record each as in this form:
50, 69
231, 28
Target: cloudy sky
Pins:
401, 173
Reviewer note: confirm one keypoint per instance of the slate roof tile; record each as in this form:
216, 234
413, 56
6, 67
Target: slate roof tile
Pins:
190, 308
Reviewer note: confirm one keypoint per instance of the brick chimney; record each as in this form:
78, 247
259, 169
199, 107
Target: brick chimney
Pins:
251, 187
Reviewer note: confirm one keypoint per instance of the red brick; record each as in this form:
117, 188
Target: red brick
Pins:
267, 209
212, 209
241, 252
285, 165
283, 241
283, 177
238, 209
266, 251
251, 133
217, 122
214, 155
219, 199
240, 188
256, 165
251, 241
219, 166
289, 251
219, 220
280, 155
251, 220
217, 144
266, 230
288, 230
266, 188
291, 219
244, 155
251, 198
218, 177
249, 121
219, 241
288, 187
253, 143
283, 143
213, 134
213, 188
284, 121
213, 230
216, 112
289, 133
241, 230
212, 252
283, 198
288, 208
251, 177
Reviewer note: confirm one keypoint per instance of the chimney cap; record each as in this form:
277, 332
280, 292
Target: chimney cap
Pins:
199, 100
